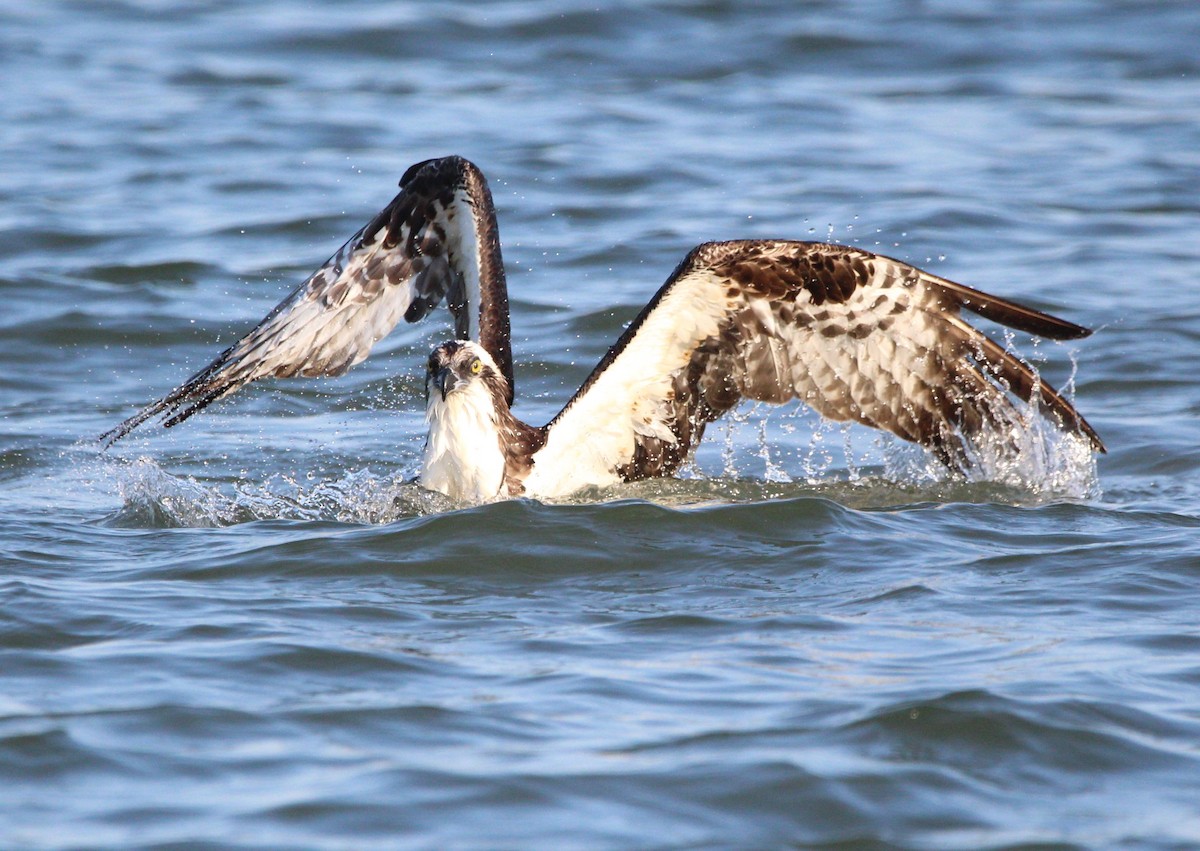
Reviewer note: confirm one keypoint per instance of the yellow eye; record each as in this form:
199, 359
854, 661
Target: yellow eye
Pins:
476, 366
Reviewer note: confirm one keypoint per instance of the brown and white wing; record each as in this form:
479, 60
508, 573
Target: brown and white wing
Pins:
436, 241
855, 335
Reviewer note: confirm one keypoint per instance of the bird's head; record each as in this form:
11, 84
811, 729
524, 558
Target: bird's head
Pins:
460, 366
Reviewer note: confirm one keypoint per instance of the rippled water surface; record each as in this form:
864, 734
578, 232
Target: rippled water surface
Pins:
253, 631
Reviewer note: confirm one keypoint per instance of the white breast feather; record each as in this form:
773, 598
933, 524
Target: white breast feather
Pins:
462, 453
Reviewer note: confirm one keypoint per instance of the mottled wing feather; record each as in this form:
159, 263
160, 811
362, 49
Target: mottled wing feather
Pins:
855, 335
436, 241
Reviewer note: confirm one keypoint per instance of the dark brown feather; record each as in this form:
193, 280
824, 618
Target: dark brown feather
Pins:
518, 440
942, 398
331, 300
1012, 314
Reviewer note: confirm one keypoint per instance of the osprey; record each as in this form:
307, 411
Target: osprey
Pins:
856, 335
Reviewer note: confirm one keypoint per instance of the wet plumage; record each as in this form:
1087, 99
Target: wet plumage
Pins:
857, 336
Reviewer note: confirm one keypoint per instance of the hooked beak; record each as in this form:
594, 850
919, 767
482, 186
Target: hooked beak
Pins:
444, 380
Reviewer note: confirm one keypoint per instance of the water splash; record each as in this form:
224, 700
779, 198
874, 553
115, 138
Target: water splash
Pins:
1039, 457
152, 497
1027, 453
764, 453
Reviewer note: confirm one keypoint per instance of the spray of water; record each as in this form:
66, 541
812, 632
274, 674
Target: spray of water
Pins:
152, 497
761, 453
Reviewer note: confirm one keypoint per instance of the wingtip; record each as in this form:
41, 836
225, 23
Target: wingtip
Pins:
1069, 418
106, 440
127, 425
416, 168
412, 171
1092, 436
1071, 331
111, 436
1006, 312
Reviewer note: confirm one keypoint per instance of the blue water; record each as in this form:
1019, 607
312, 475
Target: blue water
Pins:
253, 631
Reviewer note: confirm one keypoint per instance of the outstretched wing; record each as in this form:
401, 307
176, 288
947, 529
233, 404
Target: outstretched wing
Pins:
436, 241
855, 335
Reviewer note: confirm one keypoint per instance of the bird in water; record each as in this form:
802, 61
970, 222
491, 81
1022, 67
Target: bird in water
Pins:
856, 335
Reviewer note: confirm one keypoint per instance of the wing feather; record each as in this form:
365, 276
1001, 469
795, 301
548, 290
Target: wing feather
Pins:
857, 336
435, 242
